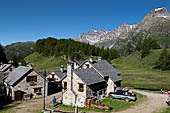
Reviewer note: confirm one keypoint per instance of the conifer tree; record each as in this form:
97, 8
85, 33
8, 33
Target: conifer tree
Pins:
163, 62
2, 55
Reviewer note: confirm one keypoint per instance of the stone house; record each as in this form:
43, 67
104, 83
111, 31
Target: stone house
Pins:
90, 80
2, 87
6, 68
54, 79
24, 82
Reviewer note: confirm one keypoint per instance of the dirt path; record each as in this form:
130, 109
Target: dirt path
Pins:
154, 103
34, 105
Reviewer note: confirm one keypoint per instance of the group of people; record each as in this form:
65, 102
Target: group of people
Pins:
166, 92
168, 101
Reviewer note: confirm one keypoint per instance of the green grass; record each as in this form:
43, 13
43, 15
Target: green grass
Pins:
9, 110
116, 104
119, 105
167, 110
45, 63
139, 73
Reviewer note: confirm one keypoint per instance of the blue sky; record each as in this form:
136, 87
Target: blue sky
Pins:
29, 20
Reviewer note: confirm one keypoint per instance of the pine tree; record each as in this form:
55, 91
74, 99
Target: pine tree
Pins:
129, 48
2, 55
163, 62
139, 45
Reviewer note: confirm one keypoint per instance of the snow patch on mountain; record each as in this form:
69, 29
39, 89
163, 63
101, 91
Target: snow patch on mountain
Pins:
158, 9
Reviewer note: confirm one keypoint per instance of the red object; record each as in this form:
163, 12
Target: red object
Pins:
165, 91
103, 105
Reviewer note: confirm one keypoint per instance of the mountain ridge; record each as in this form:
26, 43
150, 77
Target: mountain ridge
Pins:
19, 48
124, 33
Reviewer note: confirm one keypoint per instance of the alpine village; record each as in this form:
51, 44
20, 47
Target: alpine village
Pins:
126, 70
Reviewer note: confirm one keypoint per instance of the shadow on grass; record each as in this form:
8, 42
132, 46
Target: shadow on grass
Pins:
6, 103
147, 89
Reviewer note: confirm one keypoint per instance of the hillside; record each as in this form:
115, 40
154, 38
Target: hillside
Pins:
138, 73
45, 63
19, 48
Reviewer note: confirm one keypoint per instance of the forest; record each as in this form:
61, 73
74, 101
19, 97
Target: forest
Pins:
72, 49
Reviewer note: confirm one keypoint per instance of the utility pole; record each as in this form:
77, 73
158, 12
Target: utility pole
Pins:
76, 107
44, 89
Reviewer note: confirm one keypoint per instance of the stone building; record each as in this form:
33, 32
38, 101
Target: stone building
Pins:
2, 87
24, 82
89, 79
6, 68
54, 79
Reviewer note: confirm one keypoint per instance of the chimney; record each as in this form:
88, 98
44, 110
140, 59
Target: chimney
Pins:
99, 58
62, 68
69, 74
91, 59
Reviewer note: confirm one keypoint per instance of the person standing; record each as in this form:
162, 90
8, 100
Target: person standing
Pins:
168, 101
54, 101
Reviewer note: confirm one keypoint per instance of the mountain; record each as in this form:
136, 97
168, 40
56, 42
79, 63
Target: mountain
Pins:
155, 25
19, 48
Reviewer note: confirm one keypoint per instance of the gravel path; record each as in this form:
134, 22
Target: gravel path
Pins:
154, 103
34, 105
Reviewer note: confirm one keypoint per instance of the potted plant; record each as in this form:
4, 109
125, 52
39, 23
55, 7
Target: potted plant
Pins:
81, 89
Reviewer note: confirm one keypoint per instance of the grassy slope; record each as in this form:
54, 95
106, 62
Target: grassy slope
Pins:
24, 48
45, 63
167, 110
138, 73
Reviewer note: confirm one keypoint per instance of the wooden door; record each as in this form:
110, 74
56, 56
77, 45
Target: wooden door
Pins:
19, 95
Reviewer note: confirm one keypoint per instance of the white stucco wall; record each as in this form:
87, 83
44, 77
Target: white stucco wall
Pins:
110, 87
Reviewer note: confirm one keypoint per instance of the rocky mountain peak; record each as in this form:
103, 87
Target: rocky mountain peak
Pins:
155, 24
158, 12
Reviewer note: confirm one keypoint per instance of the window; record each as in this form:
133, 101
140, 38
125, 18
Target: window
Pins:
37, 91
52, 76
65, 85
87, 65
100, 92
31, 79
10, 69
94, 94
81, 87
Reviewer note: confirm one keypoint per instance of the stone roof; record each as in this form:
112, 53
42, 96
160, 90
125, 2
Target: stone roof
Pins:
115, 78
60, 74
106, 69
17, 74
88, 76
5, 67
44, 74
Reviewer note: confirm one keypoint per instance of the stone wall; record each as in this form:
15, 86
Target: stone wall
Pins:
89, 92
111, 86
69, 95
25, 86
81, 95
